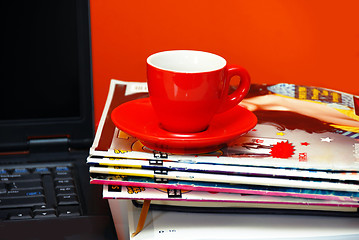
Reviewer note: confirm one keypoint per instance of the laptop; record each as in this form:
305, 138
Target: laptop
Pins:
46, 124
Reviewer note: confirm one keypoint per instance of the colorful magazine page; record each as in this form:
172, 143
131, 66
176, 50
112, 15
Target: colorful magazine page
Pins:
232, 199
298, 127
241, 207
231, 179
105, 179
219, 168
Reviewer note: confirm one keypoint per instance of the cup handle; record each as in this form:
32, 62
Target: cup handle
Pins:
237, 96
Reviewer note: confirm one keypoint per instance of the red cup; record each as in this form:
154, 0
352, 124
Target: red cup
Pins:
188, 88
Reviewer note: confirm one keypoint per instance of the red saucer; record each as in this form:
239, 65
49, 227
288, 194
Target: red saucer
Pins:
138, 119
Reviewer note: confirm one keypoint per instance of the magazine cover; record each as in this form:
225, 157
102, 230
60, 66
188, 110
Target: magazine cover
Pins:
228, 169
230, 199
231, 179
298, 127
133, 181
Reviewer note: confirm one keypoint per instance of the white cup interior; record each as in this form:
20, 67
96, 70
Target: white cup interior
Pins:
186, 61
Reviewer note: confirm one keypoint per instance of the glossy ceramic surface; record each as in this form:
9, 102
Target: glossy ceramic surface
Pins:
188, 88
138, 119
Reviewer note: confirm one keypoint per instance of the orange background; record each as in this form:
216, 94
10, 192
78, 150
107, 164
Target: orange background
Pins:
310, 42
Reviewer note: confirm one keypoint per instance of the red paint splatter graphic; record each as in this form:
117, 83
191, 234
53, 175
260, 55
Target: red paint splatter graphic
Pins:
282, 150
303, 157
305, 144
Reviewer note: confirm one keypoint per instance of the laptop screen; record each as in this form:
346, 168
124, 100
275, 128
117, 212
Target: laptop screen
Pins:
45, 70
41, 60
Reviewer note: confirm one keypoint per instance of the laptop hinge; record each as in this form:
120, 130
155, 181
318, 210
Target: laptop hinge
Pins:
48, 145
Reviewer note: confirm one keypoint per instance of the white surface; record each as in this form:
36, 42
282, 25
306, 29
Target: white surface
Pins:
175, 225
186, 61
120, 219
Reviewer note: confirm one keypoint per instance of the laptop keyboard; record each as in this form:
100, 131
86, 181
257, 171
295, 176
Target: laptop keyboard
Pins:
38, 191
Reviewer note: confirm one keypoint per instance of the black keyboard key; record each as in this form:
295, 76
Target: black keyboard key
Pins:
47, 213
41, 208
21, 202
62, 175
21, 171
42, 170
6, 178
25, 185
49, 191
67, 200
62, 169
24, 193
64, 183
19, 214
68, 211
65, 191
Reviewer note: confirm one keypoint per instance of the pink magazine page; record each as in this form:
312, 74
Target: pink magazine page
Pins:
223, 187
142, 193
230, 179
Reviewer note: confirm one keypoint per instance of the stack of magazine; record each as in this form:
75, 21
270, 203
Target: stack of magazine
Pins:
301, 157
